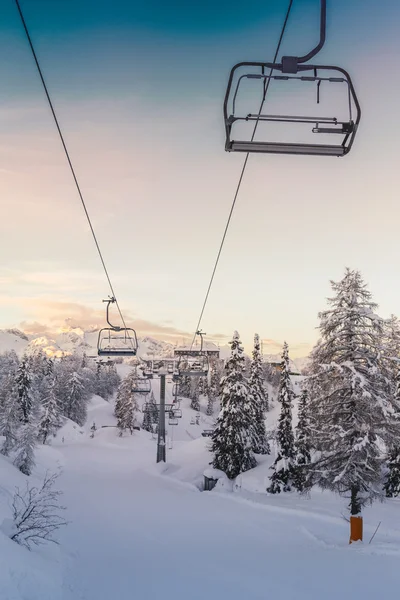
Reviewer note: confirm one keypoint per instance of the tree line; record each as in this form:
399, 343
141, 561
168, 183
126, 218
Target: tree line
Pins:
38, 393
347, 438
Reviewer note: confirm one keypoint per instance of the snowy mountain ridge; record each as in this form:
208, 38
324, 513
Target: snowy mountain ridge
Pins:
75, 339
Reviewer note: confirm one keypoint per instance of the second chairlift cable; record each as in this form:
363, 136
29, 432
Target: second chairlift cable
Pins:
266, 86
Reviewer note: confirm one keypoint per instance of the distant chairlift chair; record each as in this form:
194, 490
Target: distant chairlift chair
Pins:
114, 340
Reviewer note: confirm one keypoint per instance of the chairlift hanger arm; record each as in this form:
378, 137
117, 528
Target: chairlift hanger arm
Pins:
290, 64
111, 300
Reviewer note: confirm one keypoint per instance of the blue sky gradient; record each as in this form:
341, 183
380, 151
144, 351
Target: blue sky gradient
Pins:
139, 88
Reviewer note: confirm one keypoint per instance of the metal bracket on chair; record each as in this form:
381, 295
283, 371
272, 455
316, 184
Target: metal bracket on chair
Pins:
290, 64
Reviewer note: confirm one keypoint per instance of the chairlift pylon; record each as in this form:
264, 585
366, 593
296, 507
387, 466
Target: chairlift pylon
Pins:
115, 340
291, 69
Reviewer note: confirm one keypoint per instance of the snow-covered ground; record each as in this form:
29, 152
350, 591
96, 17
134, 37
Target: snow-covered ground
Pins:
145, 531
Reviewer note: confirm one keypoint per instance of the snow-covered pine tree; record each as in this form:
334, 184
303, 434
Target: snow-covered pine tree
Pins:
76, 399
349, 397
302, 444
210, 400
391, 343
150, 417
26, 442
392, 477
195, 395
185, 386
147, 423
126, 404
51, 419
26, 435
283, 467
10, 416
152, 400
23, 381
231, 438
257, 394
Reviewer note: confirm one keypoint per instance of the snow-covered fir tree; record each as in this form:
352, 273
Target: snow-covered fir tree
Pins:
185, 386
231, 438
155, 411
147, 423
213, 388
195, 395
392, 479
257, 396
126, 404
25, 447
51, 419
283, 467
150, 417
23, 381
210, 401
349, 396
26, 434
10, 416
77, 397
302, 444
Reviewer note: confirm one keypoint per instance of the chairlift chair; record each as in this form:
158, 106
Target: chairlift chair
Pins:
192, 362
292, 70
114, 340
197, 366
141, 385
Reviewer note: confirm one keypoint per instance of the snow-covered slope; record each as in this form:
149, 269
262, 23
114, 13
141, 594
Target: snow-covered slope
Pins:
130, 518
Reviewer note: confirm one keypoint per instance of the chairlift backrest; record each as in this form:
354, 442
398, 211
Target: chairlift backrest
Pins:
344, 128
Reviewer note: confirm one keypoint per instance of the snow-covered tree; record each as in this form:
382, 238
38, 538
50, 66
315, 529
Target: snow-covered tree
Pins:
77, 398
106, 380
390, 341
155, 411
210, 401
258, 401
302, 444
231, 438
150, 417
126, 404
195, 403
10, 417
23, 381
283, 467
185, 386
392, 479
51, 419
26, 442
349, 396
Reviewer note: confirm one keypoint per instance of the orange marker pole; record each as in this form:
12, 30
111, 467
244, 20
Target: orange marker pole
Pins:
356, 529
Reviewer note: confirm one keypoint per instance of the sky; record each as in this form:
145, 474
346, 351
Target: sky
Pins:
138, 87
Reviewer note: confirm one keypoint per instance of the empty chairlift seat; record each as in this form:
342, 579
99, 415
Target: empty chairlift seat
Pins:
114, 340
251, 126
